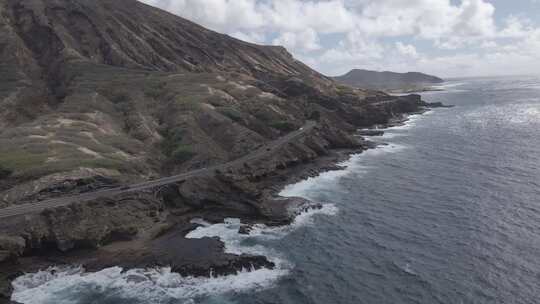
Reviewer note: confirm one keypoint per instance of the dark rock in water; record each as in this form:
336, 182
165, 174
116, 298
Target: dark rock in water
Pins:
373, 145
438, 105
7, 274
245, 229
282, 211
188, 257
371, 132
226, 266
5, 291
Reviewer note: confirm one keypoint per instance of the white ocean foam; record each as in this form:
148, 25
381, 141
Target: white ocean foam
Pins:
236, 243
410, 122
305, 187
67, 285
329, 180
390, 135
141, 286
448, 85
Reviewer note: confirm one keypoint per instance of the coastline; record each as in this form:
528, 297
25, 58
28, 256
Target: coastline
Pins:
331, 162
212, 248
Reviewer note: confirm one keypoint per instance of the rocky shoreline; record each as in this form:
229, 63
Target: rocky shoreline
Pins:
158, 238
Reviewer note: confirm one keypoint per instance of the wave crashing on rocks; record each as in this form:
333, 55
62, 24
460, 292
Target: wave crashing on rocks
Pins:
71, 284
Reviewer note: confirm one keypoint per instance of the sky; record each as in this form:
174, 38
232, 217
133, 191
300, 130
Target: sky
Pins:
447, 38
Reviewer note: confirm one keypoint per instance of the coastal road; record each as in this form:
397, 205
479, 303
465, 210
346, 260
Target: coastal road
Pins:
265, 150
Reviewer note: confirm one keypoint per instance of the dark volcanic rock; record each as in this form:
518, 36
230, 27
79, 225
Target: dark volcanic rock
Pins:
438, 105
245, 229
188, 257
371, 132
8, 273
11, 247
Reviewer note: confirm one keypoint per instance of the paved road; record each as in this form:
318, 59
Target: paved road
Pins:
271, 147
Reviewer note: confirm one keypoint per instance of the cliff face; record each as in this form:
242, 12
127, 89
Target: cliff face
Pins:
44, 36
387, 80
94, 94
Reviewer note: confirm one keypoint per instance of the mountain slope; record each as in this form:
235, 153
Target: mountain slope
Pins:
386, 80
106, 91
82, 78
97, 94
132, 35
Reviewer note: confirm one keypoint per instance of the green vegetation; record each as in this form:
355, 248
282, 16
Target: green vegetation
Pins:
173, 148
105, 163
232, 113
20, 160
171, 140
188, 103
182, 153
4, 172
155, 90
344, 88
119, 96
283, 126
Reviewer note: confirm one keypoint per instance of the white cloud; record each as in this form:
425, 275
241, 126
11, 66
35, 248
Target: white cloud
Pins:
429, 19
322, 16
406, 49
515, 27
337, 35
305, 41
253, 37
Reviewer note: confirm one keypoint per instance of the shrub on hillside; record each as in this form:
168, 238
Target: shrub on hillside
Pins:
173, 148
171, 140
231, 113
283, 126
182, 154
4, 172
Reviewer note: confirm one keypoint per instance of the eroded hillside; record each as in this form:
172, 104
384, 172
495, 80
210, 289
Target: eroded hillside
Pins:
101, 88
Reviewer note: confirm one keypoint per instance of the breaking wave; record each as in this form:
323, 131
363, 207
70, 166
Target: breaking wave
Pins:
160, 285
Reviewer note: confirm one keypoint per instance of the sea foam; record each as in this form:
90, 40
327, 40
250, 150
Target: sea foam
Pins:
158, 285
71, 285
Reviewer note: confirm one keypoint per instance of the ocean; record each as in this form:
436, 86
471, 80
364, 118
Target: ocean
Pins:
447, 212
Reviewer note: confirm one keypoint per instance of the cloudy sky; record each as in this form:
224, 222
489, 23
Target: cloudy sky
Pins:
450, 38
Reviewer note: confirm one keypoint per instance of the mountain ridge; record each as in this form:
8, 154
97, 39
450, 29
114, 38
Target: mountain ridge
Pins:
386, 80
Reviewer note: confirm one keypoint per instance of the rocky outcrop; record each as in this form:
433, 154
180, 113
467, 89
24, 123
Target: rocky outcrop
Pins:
11, 247
435, 105
188, 257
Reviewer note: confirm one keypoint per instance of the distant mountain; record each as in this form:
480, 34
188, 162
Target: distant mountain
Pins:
387, 80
